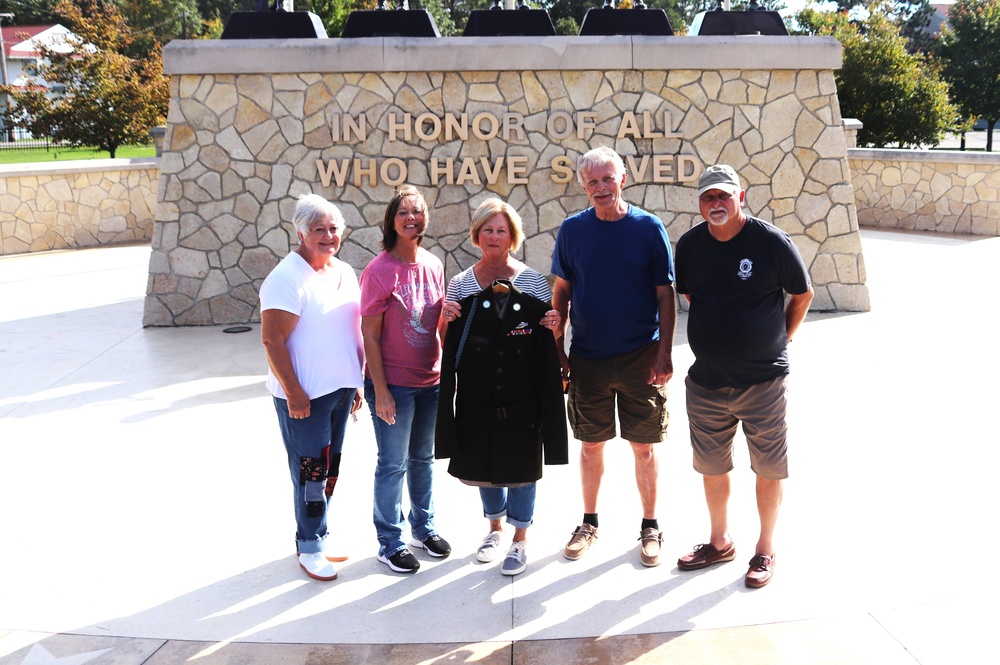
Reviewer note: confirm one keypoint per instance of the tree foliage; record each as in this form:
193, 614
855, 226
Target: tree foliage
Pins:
568, 15
333, 13
900, 97
96, 95
155, 22
35, 12
970, 50
912, 16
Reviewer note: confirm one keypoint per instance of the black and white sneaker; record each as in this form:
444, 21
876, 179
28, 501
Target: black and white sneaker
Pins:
402, 561
435, 545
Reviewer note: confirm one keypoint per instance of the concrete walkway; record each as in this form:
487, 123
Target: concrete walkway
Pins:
145, 514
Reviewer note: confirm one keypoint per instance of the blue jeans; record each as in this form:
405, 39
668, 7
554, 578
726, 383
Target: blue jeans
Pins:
404, 449
313, 445
517, 503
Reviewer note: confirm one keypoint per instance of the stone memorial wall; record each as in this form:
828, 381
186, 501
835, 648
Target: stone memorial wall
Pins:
930, 190
64, 205
254, 124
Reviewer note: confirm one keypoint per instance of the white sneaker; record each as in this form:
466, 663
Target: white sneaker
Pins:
516, 561
490, 549
335, 555
317, 567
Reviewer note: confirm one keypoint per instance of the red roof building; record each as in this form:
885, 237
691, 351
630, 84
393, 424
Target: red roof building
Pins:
20, 47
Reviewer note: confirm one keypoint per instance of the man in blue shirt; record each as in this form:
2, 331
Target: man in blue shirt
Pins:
614, 284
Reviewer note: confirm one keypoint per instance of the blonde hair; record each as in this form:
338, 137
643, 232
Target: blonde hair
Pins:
486, 210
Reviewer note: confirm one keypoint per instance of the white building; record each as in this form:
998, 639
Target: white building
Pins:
20, 45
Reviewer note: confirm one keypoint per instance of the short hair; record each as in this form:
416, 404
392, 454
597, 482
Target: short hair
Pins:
600, 156
311, 208
389, 235
486, 210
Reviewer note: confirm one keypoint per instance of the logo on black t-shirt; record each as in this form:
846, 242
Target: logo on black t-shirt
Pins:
746, 269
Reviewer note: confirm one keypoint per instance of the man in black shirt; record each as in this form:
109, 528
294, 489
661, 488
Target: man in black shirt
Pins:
735, 271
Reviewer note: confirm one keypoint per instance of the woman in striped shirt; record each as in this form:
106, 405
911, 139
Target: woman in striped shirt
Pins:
496, 231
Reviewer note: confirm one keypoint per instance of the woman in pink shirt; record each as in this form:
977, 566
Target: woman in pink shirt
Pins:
402, 291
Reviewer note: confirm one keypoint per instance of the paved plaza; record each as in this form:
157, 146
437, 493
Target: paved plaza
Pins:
146, 517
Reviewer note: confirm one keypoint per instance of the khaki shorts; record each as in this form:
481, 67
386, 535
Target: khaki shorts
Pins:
595, 385
714, 414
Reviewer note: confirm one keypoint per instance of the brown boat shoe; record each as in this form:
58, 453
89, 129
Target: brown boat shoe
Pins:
705, 555
649, 552
761, 571
583, 537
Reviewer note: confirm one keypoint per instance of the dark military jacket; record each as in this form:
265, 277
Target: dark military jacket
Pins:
501, 411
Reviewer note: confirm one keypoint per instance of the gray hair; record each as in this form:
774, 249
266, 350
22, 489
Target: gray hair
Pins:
600, 156
312, 208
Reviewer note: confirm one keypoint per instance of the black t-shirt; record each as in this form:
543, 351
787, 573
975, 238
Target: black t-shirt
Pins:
736, 325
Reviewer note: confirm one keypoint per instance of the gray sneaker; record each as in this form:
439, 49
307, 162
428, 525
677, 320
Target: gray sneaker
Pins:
490, 549
516, 560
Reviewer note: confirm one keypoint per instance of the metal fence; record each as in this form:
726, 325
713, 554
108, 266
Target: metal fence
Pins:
21, 139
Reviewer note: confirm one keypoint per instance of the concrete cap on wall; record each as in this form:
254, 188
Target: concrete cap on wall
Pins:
401, 54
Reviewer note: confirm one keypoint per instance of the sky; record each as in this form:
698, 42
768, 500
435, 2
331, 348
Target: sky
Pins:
794, 6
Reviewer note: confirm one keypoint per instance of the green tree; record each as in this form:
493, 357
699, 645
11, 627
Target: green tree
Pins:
162, 20
912, 16
95, 95
459, 10
567, 15
333, 13
35, 12
221, 9
970, 49
898, 9
900, 97
442, 18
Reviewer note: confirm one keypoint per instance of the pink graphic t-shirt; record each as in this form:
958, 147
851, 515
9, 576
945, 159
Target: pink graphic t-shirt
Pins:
409, 296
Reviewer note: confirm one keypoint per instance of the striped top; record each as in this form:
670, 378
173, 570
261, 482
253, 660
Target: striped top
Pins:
529, 281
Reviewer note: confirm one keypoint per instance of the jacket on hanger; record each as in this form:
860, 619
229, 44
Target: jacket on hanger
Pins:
501, 411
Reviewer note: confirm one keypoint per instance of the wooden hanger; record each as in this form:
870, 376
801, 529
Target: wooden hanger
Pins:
501, 286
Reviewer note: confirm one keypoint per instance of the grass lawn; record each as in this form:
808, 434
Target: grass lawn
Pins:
63, 154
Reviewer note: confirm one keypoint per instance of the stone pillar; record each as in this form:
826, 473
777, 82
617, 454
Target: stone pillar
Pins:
157, 134
851, 127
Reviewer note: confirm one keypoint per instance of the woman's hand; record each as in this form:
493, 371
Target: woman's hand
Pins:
299, 406
275, 327
450, 311
358, 401
385, 407
551, 320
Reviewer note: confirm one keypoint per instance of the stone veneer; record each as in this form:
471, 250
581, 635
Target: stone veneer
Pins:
950, 192
76, 204
249, 120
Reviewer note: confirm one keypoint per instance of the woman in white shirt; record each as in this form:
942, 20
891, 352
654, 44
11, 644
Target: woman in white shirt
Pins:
311, 331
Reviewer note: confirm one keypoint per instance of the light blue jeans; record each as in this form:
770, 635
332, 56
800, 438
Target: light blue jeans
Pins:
313, 447
517, 503
404, 449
